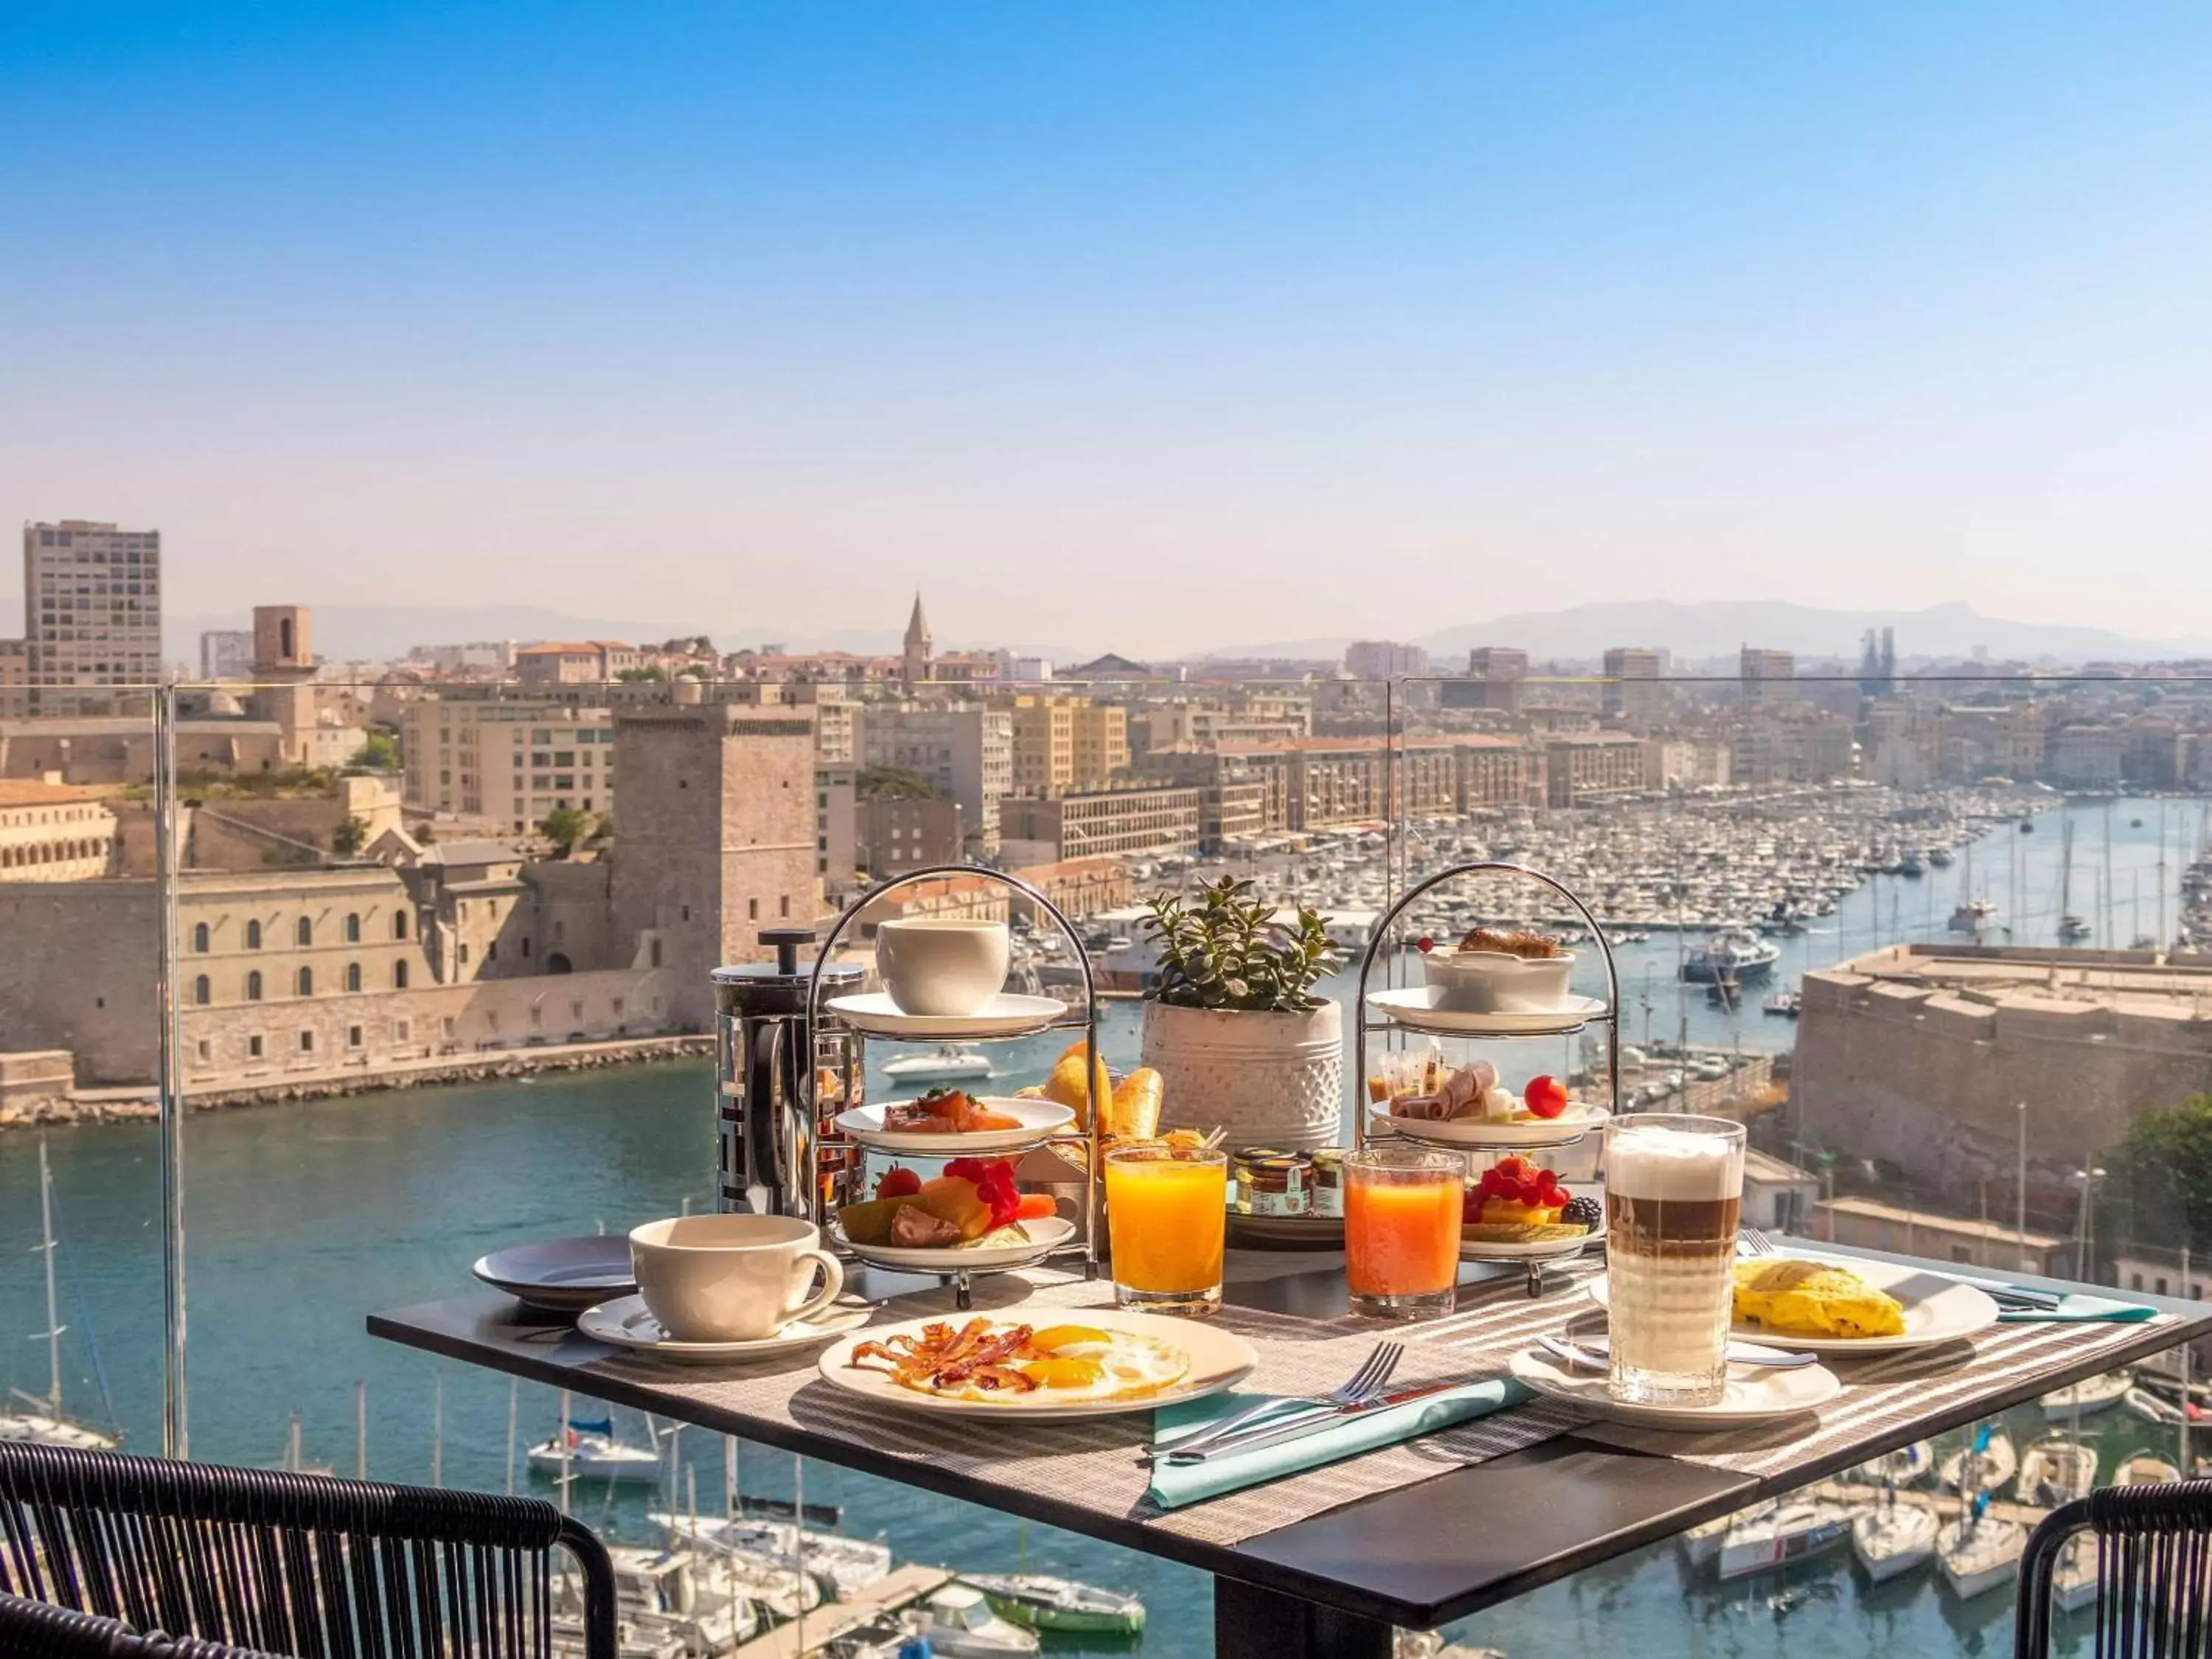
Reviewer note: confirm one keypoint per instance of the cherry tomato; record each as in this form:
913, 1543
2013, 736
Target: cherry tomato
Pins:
1547, 1097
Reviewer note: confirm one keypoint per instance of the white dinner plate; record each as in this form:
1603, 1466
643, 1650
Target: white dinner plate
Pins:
1532, 1249
1578, 1120
1754, 1394
1006, 1015
1218, 1361
627, 1322
1039, 1118
1415, 1008
1936, 1310
1046, 1234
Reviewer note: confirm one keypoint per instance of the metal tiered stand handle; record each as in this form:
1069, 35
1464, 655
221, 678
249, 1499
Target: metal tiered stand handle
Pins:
1609, 1015
960, 1279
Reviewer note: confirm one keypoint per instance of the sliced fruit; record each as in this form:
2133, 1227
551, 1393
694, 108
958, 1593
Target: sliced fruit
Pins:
955, 1200
1036, 1206
869, 1223
1517, 1211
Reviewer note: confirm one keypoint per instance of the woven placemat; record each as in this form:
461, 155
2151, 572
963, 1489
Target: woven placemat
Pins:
1884, 1393
1099, 1463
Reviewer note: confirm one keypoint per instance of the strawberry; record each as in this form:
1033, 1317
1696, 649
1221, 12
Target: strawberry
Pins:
897, 1181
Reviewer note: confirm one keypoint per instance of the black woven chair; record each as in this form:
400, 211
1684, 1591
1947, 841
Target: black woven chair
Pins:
2154, 1571
39, 1629
298, 1565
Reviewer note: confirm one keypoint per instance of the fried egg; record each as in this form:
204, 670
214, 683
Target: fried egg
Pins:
1084, 1362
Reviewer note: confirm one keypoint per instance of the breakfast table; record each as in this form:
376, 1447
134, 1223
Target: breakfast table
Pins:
1326, 1560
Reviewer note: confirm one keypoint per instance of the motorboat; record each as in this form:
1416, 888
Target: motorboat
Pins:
1044, 1602
848, 1565
1987, 1467
1790, 1532
962, 1625
1731, 954
2153, 1409
1890, 1539
695, 1597
589, 1451
1701, 1544
2143, 1469
1972, 916
1978, 1553
1908, 1466
2054, 1472
947, 1063
2088, 1396
1788, 1004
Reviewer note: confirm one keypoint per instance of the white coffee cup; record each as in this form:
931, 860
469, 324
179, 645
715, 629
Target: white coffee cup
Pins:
942, 965
731, 1278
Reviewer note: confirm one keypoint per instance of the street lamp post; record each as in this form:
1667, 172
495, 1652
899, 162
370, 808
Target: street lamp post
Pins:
2089, 1180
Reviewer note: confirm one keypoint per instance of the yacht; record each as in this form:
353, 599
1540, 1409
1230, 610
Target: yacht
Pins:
848, 1565
1892, 1538
1978, 1553
1790, 1532
2088, 1396
591, 1452
1734, 953
2054, 1472
1972, 916
1043, 1602
44, 1423
2143, 1469
948, 1063
1987, 1467
1702, 1543
963, 1626
1907, 1466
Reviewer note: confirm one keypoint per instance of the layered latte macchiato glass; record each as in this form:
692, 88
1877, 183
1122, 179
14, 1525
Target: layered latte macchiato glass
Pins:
1673, 1189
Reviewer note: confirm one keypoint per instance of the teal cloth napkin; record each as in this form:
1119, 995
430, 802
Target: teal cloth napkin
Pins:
1175, 1485
2081, 1310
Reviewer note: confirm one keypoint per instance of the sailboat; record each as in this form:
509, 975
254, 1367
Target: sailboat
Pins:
1978, 1552
2054, 1472
1907, 1466
591, 1452
1984, 1465
46, 1425
1892, 1538
2070, 926
1973, 912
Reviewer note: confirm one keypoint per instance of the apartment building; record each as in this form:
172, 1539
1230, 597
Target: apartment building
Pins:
1580, 768
15, 678
1781, 747
836, 829
92, 612
1137, 820
1384, 659
1063, 743
226, 653
896, 834
965, 751
1494, 673
574, 662
1632, 684
510, 762
1765, 674
2086, 757
54, 832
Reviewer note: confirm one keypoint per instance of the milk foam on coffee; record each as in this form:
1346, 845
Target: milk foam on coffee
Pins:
1673, 1165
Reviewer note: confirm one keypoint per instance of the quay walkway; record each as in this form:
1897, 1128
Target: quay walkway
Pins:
902, 1587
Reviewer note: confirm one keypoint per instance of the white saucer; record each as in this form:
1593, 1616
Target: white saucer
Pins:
1754, 1394
1039, 1119
1415, 1008
627, 1322
1006, 1015
1047, 1234
1581, 1118
1936, 1310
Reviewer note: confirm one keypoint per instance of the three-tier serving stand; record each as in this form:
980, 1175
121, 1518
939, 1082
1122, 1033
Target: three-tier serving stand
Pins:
1404, 1016
1084, 1018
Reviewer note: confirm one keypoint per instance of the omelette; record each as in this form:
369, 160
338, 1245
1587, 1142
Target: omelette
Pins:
1812, 1298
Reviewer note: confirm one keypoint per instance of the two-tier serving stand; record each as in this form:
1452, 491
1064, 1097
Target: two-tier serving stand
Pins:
917, 1030
1404, 1014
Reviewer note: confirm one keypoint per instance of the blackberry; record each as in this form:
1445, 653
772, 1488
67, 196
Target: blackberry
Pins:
1585, 1210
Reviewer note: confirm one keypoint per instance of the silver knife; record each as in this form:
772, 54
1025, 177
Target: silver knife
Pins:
1307, 1422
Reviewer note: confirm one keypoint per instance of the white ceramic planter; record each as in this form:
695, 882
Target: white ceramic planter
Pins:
1266, 1079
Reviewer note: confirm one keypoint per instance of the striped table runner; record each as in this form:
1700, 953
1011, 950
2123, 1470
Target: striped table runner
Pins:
1099, 1463
1884, 1394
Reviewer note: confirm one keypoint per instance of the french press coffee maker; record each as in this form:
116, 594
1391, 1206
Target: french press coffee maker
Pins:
781, 1151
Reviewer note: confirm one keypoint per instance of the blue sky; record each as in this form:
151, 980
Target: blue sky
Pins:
1152, 326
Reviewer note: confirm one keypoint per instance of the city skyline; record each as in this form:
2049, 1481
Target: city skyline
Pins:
1228, 307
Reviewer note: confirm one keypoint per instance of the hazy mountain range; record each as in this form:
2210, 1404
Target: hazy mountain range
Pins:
1720, 628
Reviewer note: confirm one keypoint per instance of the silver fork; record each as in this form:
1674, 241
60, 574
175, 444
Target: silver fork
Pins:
1750, 1241
1365, 1384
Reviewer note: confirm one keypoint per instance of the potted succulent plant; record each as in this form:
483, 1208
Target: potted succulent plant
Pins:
1232, 1023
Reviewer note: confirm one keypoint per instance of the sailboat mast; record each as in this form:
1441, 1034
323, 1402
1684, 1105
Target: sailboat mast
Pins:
53, 1306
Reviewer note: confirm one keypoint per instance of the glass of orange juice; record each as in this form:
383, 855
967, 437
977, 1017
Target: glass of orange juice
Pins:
1401, 1222
1164, 1218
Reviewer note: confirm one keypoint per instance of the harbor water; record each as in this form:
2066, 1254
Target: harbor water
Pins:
302, 1218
